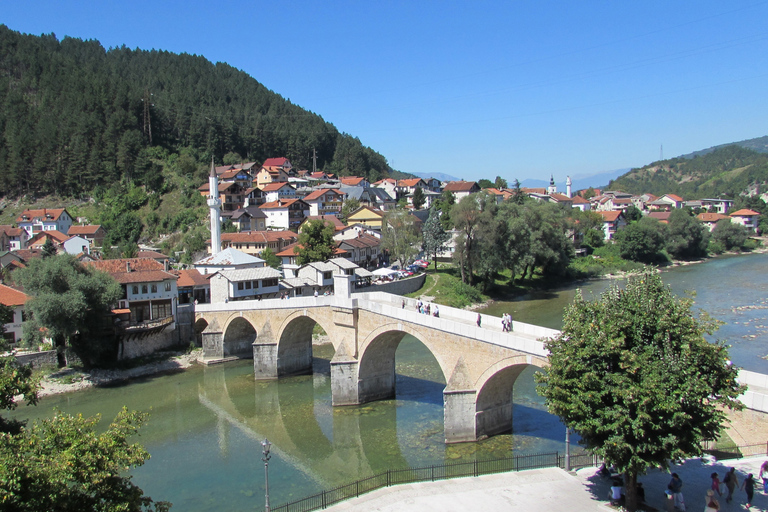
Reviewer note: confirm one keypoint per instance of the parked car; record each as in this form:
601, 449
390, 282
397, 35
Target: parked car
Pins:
421, 263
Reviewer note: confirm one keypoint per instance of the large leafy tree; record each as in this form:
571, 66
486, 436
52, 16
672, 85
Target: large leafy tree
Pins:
687, 238
66, 463
68, 305
400, 235
729, 234
435, 237
634, 376
642, 241
316, 242
350, 205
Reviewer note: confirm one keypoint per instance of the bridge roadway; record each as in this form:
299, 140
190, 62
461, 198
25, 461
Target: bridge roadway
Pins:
480, 364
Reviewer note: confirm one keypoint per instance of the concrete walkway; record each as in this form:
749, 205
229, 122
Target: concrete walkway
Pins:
554, 490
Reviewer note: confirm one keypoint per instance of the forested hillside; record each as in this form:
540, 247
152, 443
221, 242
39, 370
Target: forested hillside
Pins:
74, 116
728, 171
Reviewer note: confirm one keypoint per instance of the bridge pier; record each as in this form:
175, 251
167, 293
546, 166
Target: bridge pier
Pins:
265, 361
459, 416
344, 381
213, 345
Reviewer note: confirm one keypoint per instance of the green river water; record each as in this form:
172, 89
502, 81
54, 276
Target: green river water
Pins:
206, 423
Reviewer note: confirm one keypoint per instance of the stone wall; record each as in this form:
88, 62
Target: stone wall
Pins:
400, 287
45, 358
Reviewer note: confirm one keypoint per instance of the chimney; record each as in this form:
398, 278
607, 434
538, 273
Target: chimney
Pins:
127, 266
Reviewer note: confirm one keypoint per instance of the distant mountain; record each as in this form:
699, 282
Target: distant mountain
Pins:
760, 144
579, 181
724, 171
437, 175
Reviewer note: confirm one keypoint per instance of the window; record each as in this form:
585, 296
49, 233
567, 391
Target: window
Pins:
143, 288
167, 286
154, 288
135, 289
326, 275
247, 285
255, 284
240, 285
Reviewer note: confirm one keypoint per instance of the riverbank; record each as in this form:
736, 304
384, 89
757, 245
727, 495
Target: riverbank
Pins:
67, 380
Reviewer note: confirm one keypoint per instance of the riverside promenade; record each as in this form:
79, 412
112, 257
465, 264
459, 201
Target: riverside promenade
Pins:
555, 490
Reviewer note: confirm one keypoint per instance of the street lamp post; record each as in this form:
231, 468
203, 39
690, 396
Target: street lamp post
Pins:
265, 445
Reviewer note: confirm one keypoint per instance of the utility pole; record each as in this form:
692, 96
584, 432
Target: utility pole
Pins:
147, 118
314, 161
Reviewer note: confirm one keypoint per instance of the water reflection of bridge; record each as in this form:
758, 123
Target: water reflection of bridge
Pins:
479, 364
283, 410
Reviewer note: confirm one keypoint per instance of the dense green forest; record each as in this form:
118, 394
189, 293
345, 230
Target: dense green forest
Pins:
728, 171
74, 117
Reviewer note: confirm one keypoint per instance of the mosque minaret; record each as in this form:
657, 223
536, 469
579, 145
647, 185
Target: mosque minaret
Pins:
214, 204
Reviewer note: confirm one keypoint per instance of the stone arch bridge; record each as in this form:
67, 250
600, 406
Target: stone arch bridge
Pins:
480, 364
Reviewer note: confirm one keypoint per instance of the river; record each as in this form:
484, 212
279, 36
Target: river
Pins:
206, 423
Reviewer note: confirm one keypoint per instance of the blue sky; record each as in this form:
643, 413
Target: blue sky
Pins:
473, 88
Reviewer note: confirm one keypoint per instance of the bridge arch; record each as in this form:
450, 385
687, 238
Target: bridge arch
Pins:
376, 369
294, 341
493, 405
237, 337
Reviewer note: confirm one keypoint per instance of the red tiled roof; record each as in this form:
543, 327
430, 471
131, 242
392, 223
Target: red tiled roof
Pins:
561, 198
317, 193
258, 236
28, 254
534, 190
275, 162
272, 187
120, 265
660, 216
711, 217
744, 212
460, 186
55, 213
12, 231
280, 203
58, 236
83, 230
674, 197
386, 180
189, 278
352, 180
610, 216
410, 182
579, 200
12, 297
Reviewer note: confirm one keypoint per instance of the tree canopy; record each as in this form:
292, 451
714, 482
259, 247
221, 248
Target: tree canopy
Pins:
400, 235
435, 236
76, 116
633, 374
68, 305
316, 242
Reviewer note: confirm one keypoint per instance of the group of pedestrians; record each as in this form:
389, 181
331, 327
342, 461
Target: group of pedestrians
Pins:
730, 481
426, 309
506, 322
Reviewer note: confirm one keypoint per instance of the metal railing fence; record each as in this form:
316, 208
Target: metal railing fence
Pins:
326, 498
391, 477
